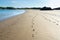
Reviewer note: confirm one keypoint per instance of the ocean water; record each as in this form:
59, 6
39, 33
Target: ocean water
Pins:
4, 14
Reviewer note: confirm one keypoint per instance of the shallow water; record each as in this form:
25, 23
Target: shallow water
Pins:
4, 14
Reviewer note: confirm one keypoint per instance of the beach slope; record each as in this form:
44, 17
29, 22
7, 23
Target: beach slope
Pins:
32, 25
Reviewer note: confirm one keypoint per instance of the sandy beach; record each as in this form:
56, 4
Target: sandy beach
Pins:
32, 25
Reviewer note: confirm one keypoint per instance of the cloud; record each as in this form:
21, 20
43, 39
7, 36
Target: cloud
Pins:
53, 3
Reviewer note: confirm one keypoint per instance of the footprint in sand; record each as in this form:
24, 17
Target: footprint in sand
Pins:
57, 24
54, 22
33, 29
49, 20
32, 35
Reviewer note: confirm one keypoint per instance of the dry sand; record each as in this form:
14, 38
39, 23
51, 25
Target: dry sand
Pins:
32, 25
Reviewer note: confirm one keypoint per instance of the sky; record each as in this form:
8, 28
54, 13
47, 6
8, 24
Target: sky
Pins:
30, 3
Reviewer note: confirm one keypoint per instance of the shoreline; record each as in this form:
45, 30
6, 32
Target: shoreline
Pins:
11, 17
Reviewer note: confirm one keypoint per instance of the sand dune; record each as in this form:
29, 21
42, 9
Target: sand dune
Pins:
32, 25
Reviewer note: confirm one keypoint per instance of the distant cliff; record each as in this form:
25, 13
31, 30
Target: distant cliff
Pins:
46, 8
57, 8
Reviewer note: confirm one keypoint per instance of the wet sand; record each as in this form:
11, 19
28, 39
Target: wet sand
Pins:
32, 25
